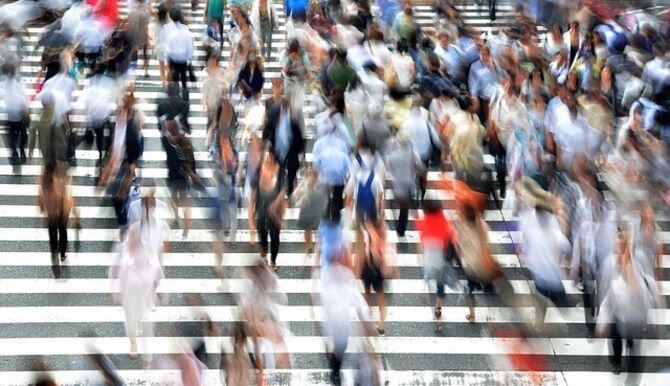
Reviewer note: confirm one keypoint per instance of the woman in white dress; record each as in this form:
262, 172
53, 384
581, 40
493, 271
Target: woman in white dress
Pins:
140, 272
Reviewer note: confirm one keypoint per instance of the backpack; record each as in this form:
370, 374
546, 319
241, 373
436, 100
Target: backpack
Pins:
366, 204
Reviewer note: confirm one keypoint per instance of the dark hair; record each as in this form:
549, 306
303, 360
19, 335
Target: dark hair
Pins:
402, 46
162, 13
175, 14
293, 46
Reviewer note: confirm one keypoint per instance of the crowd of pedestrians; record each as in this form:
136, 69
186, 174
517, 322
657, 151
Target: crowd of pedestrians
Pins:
524, 118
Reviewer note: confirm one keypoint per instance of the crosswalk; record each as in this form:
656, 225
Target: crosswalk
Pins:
45, 318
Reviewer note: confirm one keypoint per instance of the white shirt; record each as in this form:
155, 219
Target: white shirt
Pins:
89, 35
402, 65
73, 17
14, 98
379, 53
179, 43
543, 245
99, 98
59, 89
419, 130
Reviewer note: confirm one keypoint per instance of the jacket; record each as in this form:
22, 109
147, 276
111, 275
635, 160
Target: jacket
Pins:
297, 145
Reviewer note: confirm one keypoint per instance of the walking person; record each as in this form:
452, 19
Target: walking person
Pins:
250, 80
137, 27
286, 140
403, 165
267, 203
16, 109
296, 71
98, 96
179, 50
312, 199
438, 241
213, 86
264, 20
374, 268
159, 30
56, 201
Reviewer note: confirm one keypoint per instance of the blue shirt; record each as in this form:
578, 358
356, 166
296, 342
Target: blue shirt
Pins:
331, 162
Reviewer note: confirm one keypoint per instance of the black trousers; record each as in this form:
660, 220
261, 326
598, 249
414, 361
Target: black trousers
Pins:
18, 137
58, 235
265, 226
336, 199
291, 167
500, 155
179, 75
617, 349
53, 69
403, 216
98, 128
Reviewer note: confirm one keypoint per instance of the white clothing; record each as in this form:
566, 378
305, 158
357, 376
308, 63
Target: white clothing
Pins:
342, 302
402, 65
358, 57
543, 245
379, 53
14, 98
99, 98
420, 131
89, 35
179, 43
59, 91
73, 17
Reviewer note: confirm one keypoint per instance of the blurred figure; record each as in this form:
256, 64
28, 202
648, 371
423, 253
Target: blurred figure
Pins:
373, 268
179, 49
137, 27
312, 199
286, 139
213, 87
18, 114
159, 30
438, 240
250, 79
125, 150
100, 93
237, 366
343, 307
543, 245
267, 203
404, 165
623, 312
227, 164
296, 72
264, 20
139, 273
56, 201
259, 307
89, 38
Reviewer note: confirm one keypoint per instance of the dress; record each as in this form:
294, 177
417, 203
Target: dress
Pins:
312, 207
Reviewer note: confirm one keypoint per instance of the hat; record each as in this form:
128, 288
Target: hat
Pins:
536, 197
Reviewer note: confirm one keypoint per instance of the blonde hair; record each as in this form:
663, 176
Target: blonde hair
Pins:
464, 140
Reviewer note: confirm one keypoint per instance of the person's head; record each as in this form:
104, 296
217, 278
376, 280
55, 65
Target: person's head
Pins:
574, 26
485, 53
557, 32
659, 49
606, 74
402, 46
213, 57
407, 7
175, 14
434, 62
444, 38
276, 87
375, 34
294, 50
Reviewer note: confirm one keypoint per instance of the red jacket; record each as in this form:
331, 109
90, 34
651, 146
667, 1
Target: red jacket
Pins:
436, 226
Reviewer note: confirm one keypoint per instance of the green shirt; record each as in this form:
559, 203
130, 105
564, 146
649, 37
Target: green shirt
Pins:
340, 74
215, 10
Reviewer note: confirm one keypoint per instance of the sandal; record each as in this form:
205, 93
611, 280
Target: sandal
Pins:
380, 331
470, 318
438, 312
273, 267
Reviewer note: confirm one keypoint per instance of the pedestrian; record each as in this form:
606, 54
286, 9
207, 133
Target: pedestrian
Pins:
98, 97
267, 203
296, 72
438, 241
236, 365
312, 199
18, 114
286, 139
179, 49
56, 201
159, 38
138, 29
213, 86
374, 267
250, 79
89, 38
403, 165
264, 20
214, 14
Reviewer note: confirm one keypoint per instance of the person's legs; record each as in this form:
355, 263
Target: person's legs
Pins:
261, 227
62, 238
337, 198
403, 216
291, 173
381, 301
617, 348
99, 131
52, 225
501, 168
274, 243
232, 219
340, 342
14, 133
308, 240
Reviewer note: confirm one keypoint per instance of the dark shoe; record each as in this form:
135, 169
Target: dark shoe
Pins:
380, 331
335, 378
63, 257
